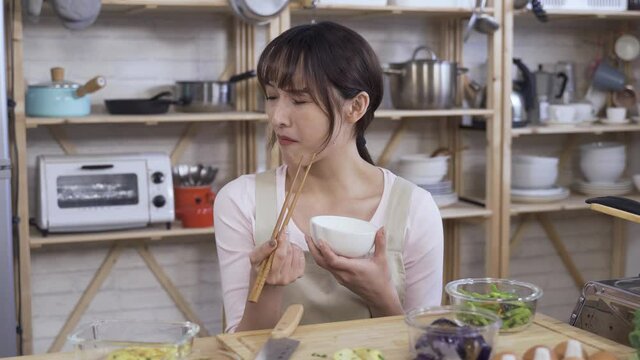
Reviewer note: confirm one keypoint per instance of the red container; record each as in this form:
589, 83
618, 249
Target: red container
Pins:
194, 205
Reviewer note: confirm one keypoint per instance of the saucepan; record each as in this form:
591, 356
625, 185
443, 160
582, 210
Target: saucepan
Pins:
209, 96
60, 97
423, 83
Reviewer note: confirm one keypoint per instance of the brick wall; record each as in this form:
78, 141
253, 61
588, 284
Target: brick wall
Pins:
144, 53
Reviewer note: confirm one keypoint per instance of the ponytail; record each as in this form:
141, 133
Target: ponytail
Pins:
361, 145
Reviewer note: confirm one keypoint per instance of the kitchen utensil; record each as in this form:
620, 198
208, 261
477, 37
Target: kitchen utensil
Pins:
627, 47
334, 229
257, 11
565, 84
617, 114
423, 83
480, 21
209, 96
608, 78
194, 205
279, 345
625, 98
623, 208
281, 224
158, 104
60, 97
77, 15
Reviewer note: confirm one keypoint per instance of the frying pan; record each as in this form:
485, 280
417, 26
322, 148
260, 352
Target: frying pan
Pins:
153, 105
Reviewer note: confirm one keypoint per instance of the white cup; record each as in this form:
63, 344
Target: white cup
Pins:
616, 114
584, 112
562, 113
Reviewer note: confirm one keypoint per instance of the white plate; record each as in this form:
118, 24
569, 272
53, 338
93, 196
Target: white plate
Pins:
556, 190
445, 200
608, 122
541, 199
621, 184
592, 192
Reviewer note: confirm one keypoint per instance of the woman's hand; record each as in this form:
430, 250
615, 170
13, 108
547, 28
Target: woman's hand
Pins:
369, 277
288, 262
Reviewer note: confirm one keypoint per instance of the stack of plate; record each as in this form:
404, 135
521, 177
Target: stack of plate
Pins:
442, 193
551, 194
620, 187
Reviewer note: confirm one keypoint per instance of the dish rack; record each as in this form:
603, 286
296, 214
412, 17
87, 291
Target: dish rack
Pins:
608, 5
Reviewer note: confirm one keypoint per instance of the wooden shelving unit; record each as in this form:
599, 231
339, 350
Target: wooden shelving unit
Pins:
154, 233
407, 114
348, 10
574, 129
33, 122
522, 214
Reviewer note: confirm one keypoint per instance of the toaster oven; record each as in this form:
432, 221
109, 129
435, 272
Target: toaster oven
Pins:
103, 192
607, 308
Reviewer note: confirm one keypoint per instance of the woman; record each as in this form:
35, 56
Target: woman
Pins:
323, 83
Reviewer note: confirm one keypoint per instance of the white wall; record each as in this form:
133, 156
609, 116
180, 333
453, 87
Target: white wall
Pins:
141, 54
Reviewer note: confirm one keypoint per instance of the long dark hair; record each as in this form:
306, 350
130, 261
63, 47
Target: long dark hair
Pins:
331, 58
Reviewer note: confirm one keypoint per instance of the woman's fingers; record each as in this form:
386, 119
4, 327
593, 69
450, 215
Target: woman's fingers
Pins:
313, 250
381, 244
262, 252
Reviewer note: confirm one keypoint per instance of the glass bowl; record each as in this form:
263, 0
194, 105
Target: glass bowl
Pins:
134, 340
513, 301
451, 332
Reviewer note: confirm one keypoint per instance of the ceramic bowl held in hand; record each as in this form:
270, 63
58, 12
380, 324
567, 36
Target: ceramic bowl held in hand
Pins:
346, 236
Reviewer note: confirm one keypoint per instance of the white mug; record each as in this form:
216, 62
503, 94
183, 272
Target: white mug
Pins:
562, 113
616, 114
584, 112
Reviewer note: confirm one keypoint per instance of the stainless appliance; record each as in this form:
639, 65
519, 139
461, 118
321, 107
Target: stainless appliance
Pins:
104, 192
550, 88
606, 308
8, 317
522, 95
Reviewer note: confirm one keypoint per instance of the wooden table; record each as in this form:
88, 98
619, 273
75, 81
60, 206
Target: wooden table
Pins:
387, 334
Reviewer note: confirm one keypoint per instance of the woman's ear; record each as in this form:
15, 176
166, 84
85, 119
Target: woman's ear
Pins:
356, 107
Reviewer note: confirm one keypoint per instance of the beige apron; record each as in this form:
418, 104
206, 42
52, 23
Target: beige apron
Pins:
323, 298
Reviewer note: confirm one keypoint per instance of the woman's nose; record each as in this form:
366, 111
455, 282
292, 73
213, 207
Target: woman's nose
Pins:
280, 114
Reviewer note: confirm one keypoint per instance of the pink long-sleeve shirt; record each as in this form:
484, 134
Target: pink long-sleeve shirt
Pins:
235, 215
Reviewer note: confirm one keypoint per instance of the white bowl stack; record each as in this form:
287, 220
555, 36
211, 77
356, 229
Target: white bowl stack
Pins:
429, 173
602, 164
533, 179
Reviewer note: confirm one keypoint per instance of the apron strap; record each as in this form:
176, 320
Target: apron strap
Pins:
397, 213
266, 206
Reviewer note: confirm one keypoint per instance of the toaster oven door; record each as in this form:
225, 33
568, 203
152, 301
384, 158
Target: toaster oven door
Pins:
84, 196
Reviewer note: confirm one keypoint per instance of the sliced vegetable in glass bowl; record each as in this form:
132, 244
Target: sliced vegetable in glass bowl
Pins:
513, 301
450, 332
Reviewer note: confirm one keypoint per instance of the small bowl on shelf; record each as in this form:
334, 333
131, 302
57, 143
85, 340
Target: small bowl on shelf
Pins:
438, 330
513, 301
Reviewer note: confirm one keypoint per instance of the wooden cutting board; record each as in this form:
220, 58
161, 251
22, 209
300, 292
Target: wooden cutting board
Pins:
390, 336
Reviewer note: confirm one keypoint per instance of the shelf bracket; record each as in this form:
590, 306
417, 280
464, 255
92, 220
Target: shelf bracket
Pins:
60, 136
392, 143
170, 288
520, 230
87, 296
185, 139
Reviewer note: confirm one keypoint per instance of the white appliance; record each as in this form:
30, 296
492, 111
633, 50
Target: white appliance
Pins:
8, 245
104, 192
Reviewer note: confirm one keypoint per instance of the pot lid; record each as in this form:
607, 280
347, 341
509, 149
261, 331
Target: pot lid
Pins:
57, 81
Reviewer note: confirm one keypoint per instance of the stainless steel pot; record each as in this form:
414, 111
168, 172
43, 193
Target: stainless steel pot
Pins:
423, 83
209, 96
257, 11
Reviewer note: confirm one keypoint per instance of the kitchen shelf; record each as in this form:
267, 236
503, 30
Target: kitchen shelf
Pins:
573, 202
574, 129
127, 6
463, 209
33, 122
153, 232
359, 10
405, 114
562, 14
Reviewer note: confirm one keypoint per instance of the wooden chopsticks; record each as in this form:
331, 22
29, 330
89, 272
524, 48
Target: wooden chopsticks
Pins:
288, 206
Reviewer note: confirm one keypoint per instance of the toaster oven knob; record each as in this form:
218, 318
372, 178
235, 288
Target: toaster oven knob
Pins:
157, 177
159, 201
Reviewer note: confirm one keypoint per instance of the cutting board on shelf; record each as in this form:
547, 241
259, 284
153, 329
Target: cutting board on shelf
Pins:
390, 335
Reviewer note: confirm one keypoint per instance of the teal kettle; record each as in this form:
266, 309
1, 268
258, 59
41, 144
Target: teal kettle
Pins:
61, 98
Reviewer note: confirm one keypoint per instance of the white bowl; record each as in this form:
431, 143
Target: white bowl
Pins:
636, 180
603, 148
531, 159
603, 172
533, 176
346, 236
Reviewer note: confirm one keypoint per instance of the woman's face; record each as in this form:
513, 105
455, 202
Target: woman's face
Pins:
300, 125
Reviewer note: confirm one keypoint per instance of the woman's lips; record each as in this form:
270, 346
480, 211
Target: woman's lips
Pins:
283, 140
